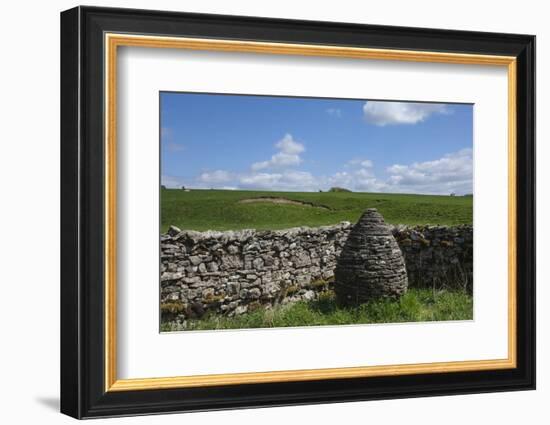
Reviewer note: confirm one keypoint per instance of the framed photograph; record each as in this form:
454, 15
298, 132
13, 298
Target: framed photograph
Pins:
261, 212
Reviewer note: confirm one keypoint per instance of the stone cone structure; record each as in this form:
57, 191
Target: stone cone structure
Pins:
371, 264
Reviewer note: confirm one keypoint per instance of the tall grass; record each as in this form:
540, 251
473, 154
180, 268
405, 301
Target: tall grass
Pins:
417, 305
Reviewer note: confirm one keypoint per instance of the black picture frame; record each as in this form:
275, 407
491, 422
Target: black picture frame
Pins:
83, 392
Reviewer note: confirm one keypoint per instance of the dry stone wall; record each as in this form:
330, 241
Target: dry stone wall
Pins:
237, 271
437, 256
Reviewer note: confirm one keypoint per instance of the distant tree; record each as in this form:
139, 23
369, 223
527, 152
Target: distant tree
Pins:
183, 188
338, 189
452, 194
162, 187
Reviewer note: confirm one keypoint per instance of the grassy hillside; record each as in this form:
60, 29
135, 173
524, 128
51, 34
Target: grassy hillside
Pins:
225, 209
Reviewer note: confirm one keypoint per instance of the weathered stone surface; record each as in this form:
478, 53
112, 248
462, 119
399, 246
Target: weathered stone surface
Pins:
371, 264
439, 256
173, 230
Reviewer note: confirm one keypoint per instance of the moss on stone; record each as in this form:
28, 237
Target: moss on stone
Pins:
292, 289
172, 307
212, 299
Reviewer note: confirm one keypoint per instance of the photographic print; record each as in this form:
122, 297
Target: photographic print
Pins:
256, 183
292, 211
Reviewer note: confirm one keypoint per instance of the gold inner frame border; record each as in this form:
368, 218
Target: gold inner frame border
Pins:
112, 41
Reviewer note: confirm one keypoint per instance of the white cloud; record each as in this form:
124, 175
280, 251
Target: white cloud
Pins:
260, 165
362, 179
389, 113
285, 180
259, 180
359, 176
372, 185
299, 179
285, 159
280, 160
334, 112
204, 181
341, 179
363, 173
288, 155
289, 146
451, 173
216, 177
365, 163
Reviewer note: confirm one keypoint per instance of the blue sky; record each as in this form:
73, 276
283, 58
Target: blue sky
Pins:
311, 144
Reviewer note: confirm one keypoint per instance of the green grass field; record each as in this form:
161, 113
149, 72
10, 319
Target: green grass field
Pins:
417, 305
224, 209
